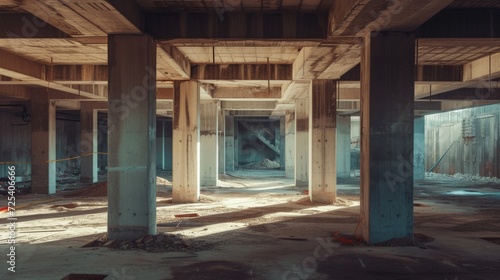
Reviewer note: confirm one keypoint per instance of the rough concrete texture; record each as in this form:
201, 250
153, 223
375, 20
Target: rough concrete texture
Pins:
209, 143
343, 148
186, 146
132, 137
387, 135
302, 142
419, 148
322, 127
290, 145
43, 144
88, 143
263, 228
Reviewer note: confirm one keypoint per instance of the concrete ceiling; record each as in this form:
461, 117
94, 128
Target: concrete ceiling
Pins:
62, 44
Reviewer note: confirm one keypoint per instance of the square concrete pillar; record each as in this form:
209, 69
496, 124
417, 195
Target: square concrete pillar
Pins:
419, 149
229, 139
43, 143
290, 144
302, 142
88, 143
209, 143
131, 136
186, 143
221, 119
322, 124
282, 143
387, 99
343, 146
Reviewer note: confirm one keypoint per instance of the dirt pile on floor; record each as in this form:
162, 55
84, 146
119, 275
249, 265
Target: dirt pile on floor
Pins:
305, 200
161, 242
162, 182
263, 164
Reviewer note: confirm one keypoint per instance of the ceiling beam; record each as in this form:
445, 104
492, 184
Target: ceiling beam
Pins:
357, 18
79, 74
475, 74
462, 24
241, 72
172, 63
34, 73
468, 94
248, 105
62, 17
364, 16
24, 25
220, 92
237, 25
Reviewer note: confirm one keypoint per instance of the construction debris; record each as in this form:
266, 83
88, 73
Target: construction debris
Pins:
263, 164
161, 242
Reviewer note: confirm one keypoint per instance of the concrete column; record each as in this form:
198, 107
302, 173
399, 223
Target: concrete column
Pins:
186, 145
282, 142
387, 99
222, 142
290, 144
343, 146
163, 147
419, 149
237, 143
43, 143
131, 136
302, 143
209, 143
88, 143
229, 139
322, 124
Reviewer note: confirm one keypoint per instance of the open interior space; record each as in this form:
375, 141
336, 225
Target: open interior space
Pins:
258, 225
249, 139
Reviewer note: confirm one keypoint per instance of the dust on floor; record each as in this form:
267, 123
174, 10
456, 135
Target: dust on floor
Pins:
262, 227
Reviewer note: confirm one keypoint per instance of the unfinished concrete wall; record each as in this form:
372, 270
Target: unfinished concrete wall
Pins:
250, 148
464, 141
15, 143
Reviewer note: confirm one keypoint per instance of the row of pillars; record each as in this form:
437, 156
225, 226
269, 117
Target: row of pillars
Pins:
387, 128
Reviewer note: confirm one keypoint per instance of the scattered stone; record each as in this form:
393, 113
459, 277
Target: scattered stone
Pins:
263, 164
161, 242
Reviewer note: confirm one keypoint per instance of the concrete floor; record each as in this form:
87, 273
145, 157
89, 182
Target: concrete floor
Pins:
246, 218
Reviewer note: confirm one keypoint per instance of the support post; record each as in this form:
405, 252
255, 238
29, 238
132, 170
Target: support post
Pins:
343, 146
186, 146
229, 139
322, 123
209, 146
290, 144
43, 143
282, 142
419, 149
88, 143
387, 101
302, 142
222, 146
131, 136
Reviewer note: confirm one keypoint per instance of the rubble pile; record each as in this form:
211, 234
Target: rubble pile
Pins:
161, 242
